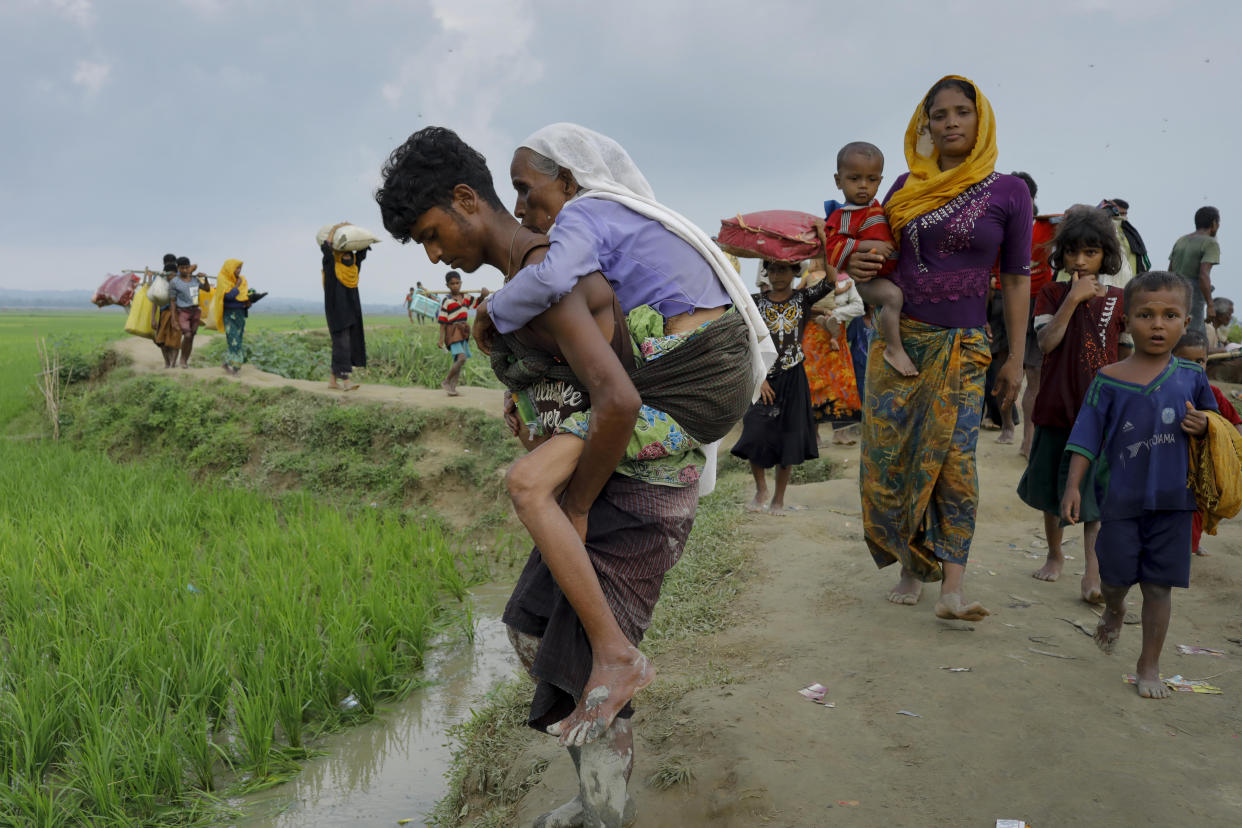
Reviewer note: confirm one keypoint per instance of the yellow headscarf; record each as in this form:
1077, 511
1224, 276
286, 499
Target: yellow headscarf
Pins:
347, 276
226, 280
927, 188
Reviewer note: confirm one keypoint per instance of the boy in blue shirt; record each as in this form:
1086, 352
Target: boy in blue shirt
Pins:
1136, 423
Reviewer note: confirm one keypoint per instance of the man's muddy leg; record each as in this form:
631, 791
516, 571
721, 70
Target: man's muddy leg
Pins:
603, 774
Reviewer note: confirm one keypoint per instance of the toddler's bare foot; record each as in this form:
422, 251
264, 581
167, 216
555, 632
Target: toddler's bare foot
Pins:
607, 690
1108, 630
1051, 570
896, 356
952, 606
908, 590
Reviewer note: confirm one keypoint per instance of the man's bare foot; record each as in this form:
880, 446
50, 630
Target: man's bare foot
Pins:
1051, 570
1091, 590
607, 690
1108, 631
908, 590
451, 390
896, 356
952, 606
1151, 688
572, 815
1006, 436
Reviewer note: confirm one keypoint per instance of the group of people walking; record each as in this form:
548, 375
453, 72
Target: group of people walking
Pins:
191, 295
629, 347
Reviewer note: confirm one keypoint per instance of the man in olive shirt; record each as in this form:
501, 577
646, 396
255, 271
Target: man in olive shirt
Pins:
1192, 257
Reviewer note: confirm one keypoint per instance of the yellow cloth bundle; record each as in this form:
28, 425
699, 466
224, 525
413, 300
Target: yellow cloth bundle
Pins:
927, 187
226, 280
1216, 472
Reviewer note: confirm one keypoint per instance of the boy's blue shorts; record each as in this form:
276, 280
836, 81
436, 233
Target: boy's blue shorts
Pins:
462, 347
1153, 549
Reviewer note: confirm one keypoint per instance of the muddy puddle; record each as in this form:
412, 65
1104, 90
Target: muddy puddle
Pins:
392, 768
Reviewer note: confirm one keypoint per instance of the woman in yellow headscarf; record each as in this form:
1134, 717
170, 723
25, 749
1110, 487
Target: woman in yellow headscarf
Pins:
955, 217
231, 309
343, 308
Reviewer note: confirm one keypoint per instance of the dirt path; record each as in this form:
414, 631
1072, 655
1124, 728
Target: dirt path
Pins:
146, 358
1057, 741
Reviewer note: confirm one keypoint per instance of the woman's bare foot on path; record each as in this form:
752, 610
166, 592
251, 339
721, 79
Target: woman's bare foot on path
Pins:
777, 509
607, 690
1006, 436
1108, 630
1091, 590
758, 505
908, 590
1051, 570
897, 357
951, 606
1151, 688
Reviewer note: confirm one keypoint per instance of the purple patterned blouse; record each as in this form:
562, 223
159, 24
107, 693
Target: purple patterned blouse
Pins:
947, 256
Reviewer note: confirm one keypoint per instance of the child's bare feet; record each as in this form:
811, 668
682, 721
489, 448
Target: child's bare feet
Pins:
896, 356
952, 606
1108, 630
1051, 570
607, 690
908, 590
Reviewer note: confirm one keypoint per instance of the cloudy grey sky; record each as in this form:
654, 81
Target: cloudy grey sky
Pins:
235, 128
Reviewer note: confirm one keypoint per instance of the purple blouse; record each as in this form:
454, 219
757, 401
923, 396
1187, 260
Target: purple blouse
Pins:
947, 256
643, 260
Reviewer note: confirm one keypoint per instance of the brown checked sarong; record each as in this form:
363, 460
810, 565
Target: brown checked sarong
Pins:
635, 534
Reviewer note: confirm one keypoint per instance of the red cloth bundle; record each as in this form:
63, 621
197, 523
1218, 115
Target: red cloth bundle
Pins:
116, 290
775, 235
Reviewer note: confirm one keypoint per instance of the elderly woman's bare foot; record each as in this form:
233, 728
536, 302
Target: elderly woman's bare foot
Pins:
952, 606
908, 590
1108, 630
607, 690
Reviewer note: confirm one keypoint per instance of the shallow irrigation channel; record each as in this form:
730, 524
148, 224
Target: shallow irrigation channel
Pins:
392, 767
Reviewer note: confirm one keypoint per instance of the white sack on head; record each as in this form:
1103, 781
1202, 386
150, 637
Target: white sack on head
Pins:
605, 170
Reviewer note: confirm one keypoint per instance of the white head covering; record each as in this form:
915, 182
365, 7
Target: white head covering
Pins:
597, 161
603, 169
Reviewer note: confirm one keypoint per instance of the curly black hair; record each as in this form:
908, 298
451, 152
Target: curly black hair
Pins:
1154, 280
948, 83
1082, 227
421, 174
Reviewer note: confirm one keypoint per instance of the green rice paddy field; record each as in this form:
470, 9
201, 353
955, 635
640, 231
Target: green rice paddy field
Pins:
167, 639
